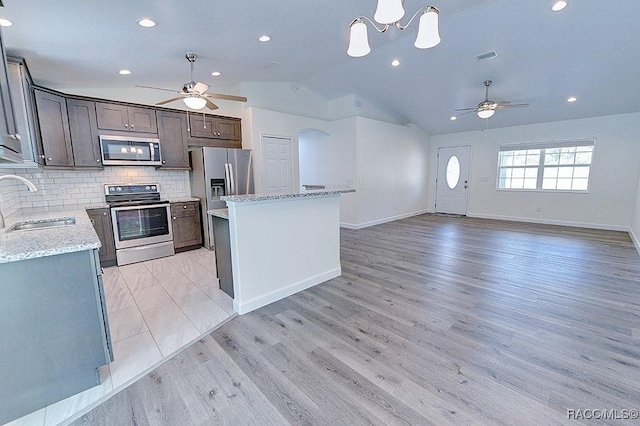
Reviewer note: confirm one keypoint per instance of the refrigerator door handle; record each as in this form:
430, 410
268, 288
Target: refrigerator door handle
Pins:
233, 182
227, 179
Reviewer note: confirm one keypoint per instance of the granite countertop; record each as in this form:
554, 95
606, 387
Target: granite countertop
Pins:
222, 213
317, 191
182, 199
30, 244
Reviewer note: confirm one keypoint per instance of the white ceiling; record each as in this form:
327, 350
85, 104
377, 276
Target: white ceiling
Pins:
589, 50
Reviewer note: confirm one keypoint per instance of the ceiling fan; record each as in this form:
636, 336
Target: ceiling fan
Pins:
487, 108
193, 93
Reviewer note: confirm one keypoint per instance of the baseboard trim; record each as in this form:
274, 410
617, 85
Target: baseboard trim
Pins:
381, 221
602, 226
634, 239
258, 302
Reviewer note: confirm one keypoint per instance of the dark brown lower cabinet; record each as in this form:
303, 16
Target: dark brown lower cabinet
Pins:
187, 227
101, 220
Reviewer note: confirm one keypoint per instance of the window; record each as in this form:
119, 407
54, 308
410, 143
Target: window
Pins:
551, 166
453, 172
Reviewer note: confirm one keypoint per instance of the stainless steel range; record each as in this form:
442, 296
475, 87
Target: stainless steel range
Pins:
141, 222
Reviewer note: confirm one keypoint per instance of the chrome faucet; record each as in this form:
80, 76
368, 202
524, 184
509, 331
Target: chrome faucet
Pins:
30, 186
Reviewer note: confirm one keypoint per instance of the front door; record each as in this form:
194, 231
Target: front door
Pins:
452, 185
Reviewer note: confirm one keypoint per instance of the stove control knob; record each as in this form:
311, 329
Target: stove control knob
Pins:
147, 187
153, 187
119, 189
111, 189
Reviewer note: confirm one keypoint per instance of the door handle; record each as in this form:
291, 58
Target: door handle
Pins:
233, 182
227, 179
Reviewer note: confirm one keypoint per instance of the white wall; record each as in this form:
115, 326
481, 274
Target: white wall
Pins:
634, 229
313, 156
614, 173
392, 164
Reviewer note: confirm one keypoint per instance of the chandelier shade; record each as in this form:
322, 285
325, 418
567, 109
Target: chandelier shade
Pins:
194, 102
359, 40
388, 11
428, 32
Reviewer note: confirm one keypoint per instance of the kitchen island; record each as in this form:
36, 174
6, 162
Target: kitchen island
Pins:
281, 243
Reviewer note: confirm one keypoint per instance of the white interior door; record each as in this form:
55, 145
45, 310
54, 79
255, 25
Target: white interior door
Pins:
276, 164
452, 185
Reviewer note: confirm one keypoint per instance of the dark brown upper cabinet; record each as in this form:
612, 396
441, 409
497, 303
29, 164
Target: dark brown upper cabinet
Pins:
214, 127
53, 129
10, 148
172, 132
83, 128
126, 118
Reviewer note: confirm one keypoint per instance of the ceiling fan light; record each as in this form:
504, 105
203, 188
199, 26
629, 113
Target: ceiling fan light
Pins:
486, 113
388, 11
359, 40
194, 102
428, 32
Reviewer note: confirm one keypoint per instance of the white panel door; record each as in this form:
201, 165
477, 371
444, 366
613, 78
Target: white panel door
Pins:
276, 164
452, 186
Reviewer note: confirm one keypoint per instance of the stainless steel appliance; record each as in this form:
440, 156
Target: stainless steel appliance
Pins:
130, 151
217, 172
141, 222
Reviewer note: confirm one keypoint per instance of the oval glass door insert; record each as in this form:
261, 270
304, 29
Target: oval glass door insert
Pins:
453, 172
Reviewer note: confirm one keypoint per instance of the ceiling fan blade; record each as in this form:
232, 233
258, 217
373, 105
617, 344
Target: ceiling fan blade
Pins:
225, 97
211, 105
466, 109
511, 106
200, 88
158, 88
465, 113
169, 100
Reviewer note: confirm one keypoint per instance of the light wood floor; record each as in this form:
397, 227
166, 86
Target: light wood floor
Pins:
435, 320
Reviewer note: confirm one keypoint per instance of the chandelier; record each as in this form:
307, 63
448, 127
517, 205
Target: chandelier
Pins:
389, 13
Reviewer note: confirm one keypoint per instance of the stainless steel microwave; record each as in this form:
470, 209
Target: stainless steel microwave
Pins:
130, 151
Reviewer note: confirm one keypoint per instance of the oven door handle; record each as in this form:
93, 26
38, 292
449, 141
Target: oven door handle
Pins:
140, 207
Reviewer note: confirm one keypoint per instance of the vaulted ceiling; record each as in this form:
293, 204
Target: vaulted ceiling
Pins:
588, 50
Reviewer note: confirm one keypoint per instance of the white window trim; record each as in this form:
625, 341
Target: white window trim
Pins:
561, 143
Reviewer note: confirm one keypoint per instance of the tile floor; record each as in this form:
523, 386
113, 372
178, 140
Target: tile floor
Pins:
156, 308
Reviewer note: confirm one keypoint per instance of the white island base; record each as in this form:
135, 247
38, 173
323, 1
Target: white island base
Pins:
282, 244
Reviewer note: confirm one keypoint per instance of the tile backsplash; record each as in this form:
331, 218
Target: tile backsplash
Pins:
62, 188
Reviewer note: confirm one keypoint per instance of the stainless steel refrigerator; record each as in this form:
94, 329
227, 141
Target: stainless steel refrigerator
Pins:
217, 172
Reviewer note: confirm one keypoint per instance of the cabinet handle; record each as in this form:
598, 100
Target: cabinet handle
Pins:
93, 222
42, 156
18, 137
126, 125
49, 159
184, 207
97, 160
174, 218
104, 213
132, 126
164, 162
12, 136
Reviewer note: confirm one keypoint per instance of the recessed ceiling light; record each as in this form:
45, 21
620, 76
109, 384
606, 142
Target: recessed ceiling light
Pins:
147, 23
5, 22
264, 38
216, 73
453, 118
124, 72
395, 63
559, 5
572, 99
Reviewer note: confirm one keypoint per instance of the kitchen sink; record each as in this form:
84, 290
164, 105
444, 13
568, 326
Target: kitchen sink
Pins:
43, 224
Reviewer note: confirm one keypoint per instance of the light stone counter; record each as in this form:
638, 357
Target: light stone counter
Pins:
221, 213
326, 191
30, 244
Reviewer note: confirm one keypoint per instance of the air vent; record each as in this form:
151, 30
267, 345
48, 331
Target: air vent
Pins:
487, 55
